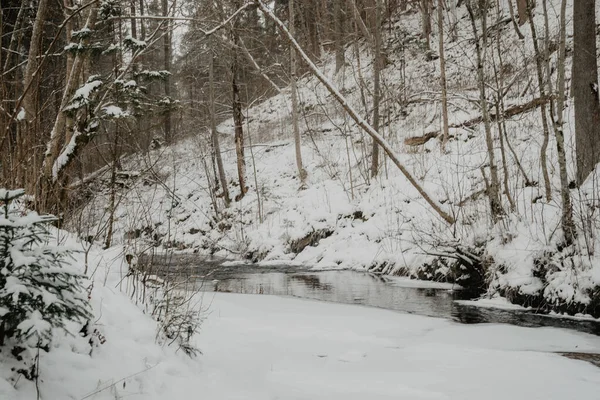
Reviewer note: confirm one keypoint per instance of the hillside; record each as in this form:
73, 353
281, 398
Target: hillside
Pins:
343, 218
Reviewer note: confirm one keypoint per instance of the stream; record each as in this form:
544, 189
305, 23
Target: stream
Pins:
360, 288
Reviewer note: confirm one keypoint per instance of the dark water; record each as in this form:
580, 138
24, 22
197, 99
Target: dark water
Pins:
351, 287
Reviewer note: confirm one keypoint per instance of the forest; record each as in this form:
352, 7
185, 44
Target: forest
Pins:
431, 157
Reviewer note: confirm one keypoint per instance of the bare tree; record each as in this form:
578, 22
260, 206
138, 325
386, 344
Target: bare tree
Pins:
167, 67
443, 84
297, 144
568, 226
542, 91
213, 130
238, 118
493, 188
377, 61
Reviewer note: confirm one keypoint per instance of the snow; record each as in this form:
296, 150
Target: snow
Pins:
266, 347
135, 43
21, 115
270, 347
114, 111
493, 302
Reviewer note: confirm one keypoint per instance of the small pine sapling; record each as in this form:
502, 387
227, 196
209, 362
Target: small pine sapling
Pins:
40, 289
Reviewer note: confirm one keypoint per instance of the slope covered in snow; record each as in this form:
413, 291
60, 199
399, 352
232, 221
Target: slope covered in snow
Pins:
346, 219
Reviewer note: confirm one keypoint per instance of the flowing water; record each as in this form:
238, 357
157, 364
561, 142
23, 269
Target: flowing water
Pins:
352, 287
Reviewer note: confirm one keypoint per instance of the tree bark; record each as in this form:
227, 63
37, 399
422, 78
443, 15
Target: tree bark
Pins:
522, 11
376, 87
238, 120
568, 227
167, 67
480, 46
426, 7
338, 16
301, 170
542, 91
585, 88
443, 83
214, 134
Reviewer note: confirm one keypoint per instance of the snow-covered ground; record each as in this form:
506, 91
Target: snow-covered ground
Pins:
271, 347
264, 347
268, 347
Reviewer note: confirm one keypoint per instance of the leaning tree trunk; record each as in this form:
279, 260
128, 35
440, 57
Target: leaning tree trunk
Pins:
48, 190
585, 88
354, 114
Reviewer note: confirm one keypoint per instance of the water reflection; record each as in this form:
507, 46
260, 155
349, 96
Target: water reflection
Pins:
346, 287
350, 287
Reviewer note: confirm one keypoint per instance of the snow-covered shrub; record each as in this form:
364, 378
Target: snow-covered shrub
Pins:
39, 288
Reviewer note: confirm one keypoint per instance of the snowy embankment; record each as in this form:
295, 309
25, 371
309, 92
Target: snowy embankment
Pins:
344, 218
282, 348
123, 354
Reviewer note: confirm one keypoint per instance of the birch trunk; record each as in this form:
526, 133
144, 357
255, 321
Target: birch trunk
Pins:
568, 226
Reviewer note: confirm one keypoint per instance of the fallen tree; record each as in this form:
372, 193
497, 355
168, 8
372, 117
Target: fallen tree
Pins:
364, 125
508, 113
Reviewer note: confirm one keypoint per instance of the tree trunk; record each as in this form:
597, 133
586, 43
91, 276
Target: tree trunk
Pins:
443, 83
585, 88
238, 121
515, 23
338, 16
376, 87
542, 91
480, 46
568, 226
426, 21
214, 134
47, 188
522, 10
167, 67
28, 127
301, 171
